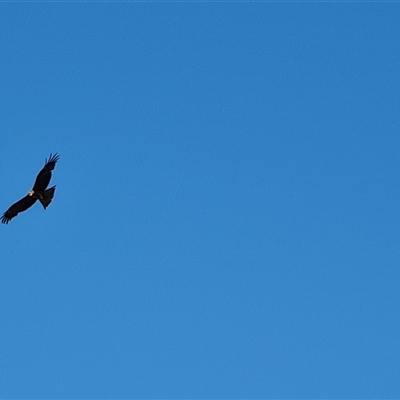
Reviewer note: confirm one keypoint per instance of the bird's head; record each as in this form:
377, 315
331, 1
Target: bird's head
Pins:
31, 192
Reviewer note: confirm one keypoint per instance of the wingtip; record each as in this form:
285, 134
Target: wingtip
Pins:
5, 220
52, 158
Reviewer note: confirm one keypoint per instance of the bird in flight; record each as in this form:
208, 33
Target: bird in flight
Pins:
38, 192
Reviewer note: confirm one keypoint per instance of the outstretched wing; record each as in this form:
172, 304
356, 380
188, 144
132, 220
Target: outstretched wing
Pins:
44, 176
16, 208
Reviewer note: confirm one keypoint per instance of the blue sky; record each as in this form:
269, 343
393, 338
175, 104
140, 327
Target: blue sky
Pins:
226, 220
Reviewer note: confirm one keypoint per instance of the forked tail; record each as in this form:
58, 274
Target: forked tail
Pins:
47, 197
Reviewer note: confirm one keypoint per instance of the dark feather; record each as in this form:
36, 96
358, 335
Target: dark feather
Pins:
44, 176
16, 208
47, 197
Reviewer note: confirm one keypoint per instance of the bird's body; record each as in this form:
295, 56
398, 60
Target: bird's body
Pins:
38, 192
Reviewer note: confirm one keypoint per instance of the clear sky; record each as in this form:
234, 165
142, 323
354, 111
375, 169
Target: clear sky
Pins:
226, 222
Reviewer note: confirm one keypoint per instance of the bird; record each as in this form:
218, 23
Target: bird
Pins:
38, 192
